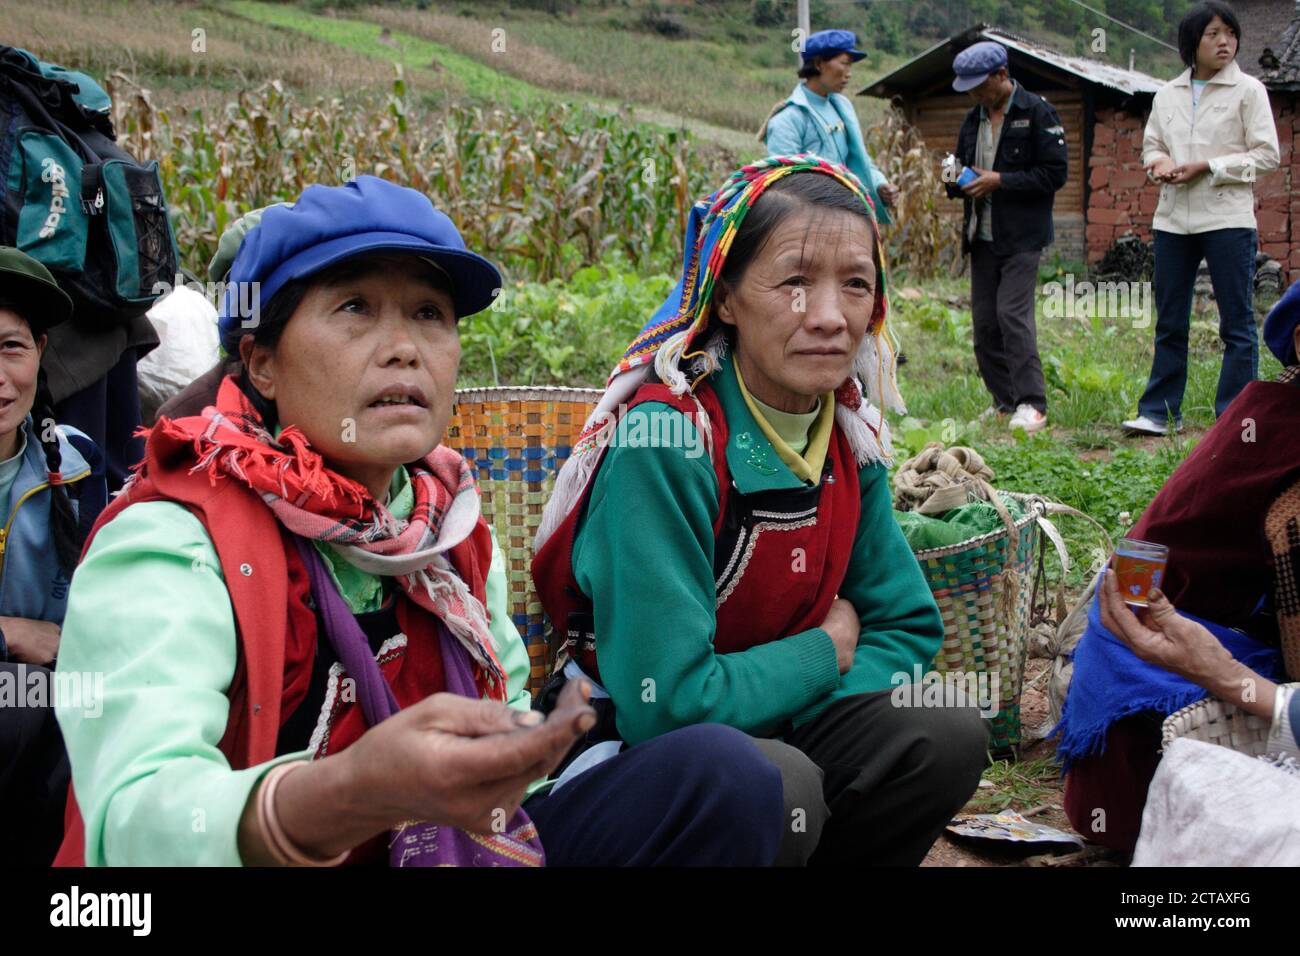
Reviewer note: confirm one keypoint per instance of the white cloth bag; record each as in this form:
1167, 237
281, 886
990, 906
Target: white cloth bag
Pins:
1212, 806
186, 323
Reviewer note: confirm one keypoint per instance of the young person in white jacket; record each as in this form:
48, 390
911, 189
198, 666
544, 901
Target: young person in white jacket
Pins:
1209, 136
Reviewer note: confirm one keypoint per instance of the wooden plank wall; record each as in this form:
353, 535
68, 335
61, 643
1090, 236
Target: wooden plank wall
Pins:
939, 118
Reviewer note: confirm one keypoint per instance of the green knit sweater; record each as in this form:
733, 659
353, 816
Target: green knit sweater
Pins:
644, 554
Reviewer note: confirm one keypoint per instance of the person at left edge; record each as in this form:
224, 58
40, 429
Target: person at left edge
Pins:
51, 488
309, 528
818, 118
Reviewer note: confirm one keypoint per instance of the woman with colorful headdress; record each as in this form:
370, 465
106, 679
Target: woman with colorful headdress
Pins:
721, 546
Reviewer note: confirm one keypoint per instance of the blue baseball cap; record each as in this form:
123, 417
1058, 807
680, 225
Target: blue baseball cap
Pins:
974, 64
831, 42
1280, 326
329, 224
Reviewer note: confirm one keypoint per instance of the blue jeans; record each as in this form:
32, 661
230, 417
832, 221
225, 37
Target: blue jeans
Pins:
1230, 254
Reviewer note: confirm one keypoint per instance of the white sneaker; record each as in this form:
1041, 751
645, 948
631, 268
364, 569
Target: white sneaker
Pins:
1028, 418
991, 412
1145, 426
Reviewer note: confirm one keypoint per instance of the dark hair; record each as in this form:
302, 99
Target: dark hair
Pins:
1193, 25
64, 526
68, 537
784, 197
811, 68
275, 315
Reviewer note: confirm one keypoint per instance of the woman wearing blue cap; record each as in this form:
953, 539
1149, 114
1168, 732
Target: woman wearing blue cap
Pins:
300, 611
818, 118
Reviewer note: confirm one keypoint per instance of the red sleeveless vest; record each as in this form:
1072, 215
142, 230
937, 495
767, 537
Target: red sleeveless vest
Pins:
779, 556
274, 622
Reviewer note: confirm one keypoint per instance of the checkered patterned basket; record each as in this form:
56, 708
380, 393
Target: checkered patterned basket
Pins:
516, 439
1216, 722
986, 610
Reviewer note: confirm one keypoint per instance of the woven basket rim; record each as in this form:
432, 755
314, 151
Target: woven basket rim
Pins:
988, 536
528, 393
1201, 707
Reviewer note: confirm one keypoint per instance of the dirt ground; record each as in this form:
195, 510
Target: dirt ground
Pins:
961, 851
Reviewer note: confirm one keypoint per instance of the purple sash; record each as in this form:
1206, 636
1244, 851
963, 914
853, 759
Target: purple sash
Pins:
415, 843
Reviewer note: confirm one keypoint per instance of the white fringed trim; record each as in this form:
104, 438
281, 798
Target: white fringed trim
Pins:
877, 368
578, 469
866, 448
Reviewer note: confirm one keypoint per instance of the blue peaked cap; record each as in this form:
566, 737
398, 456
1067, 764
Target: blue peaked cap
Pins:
1279, 327
830, 42
328, 224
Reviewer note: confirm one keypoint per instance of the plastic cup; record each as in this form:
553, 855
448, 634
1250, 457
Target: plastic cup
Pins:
1139, 567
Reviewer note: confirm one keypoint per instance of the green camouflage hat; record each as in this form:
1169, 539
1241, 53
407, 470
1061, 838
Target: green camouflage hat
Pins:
29, 285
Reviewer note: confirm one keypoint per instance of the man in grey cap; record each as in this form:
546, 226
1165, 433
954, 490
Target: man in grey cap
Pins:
1014, 142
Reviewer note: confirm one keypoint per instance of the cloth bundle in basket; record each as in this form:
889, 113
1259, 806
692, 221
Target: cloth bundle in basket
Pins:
983, 586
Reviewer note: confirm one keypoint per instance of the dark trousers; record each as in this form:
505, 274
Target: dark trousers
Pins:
34, 776
1006, 344
891, 777
699, 796
108, 411
1106, 793
1230, 254
1002, 315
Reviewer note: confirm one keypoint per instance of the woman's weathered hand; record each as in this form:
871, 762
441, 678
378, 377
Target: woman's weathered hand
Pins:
843, 626
888, 193
31, 642
1163, 637
463, 762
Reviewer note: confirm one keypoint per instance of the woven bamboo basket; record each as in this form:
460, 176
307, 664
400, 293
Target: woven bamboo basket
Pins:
1213, 721
516, 439
1283, 533
986, 614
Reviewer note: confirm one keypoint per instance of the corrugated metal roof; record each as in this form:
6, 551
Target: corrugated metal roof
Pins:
939, 59
1286, 75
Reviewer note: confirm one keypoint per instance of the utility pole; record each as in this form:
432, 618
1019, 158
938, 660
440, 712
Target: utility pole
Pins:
805, 27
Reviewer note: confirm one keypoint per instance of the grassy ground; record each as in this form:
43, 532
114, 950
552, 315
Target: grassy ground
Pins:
1096, 367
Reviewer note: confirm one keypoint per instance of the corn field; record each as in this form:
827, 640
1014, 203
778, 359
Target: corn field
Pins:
926, 238
543, 193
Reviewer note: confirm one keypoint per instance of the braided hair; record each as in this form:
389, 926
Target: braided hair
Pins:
68, 536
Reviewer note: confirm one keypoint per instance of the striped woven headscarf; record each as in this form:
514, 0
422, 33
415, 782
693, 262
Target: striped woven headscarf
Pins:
671, 339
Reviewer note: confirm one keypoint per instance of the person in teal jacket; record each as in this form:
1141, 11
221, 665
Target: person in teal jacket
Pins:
51, 487
818, 118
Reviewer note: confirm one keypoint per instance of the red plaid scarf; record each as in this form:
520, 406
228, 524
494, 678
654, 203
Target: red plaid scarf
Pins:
314, 501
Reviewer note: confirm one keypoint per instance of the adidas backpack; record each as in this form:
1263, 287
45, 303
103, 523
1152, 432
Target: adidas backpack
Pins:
73, 199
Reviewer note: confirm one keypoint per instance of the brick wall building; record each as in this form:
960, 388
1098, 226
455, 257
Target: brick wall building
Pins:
1104, 110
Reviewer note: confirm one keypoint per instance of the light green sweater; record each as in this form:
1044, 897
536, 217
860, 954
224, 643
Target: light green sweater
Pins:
148, 609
